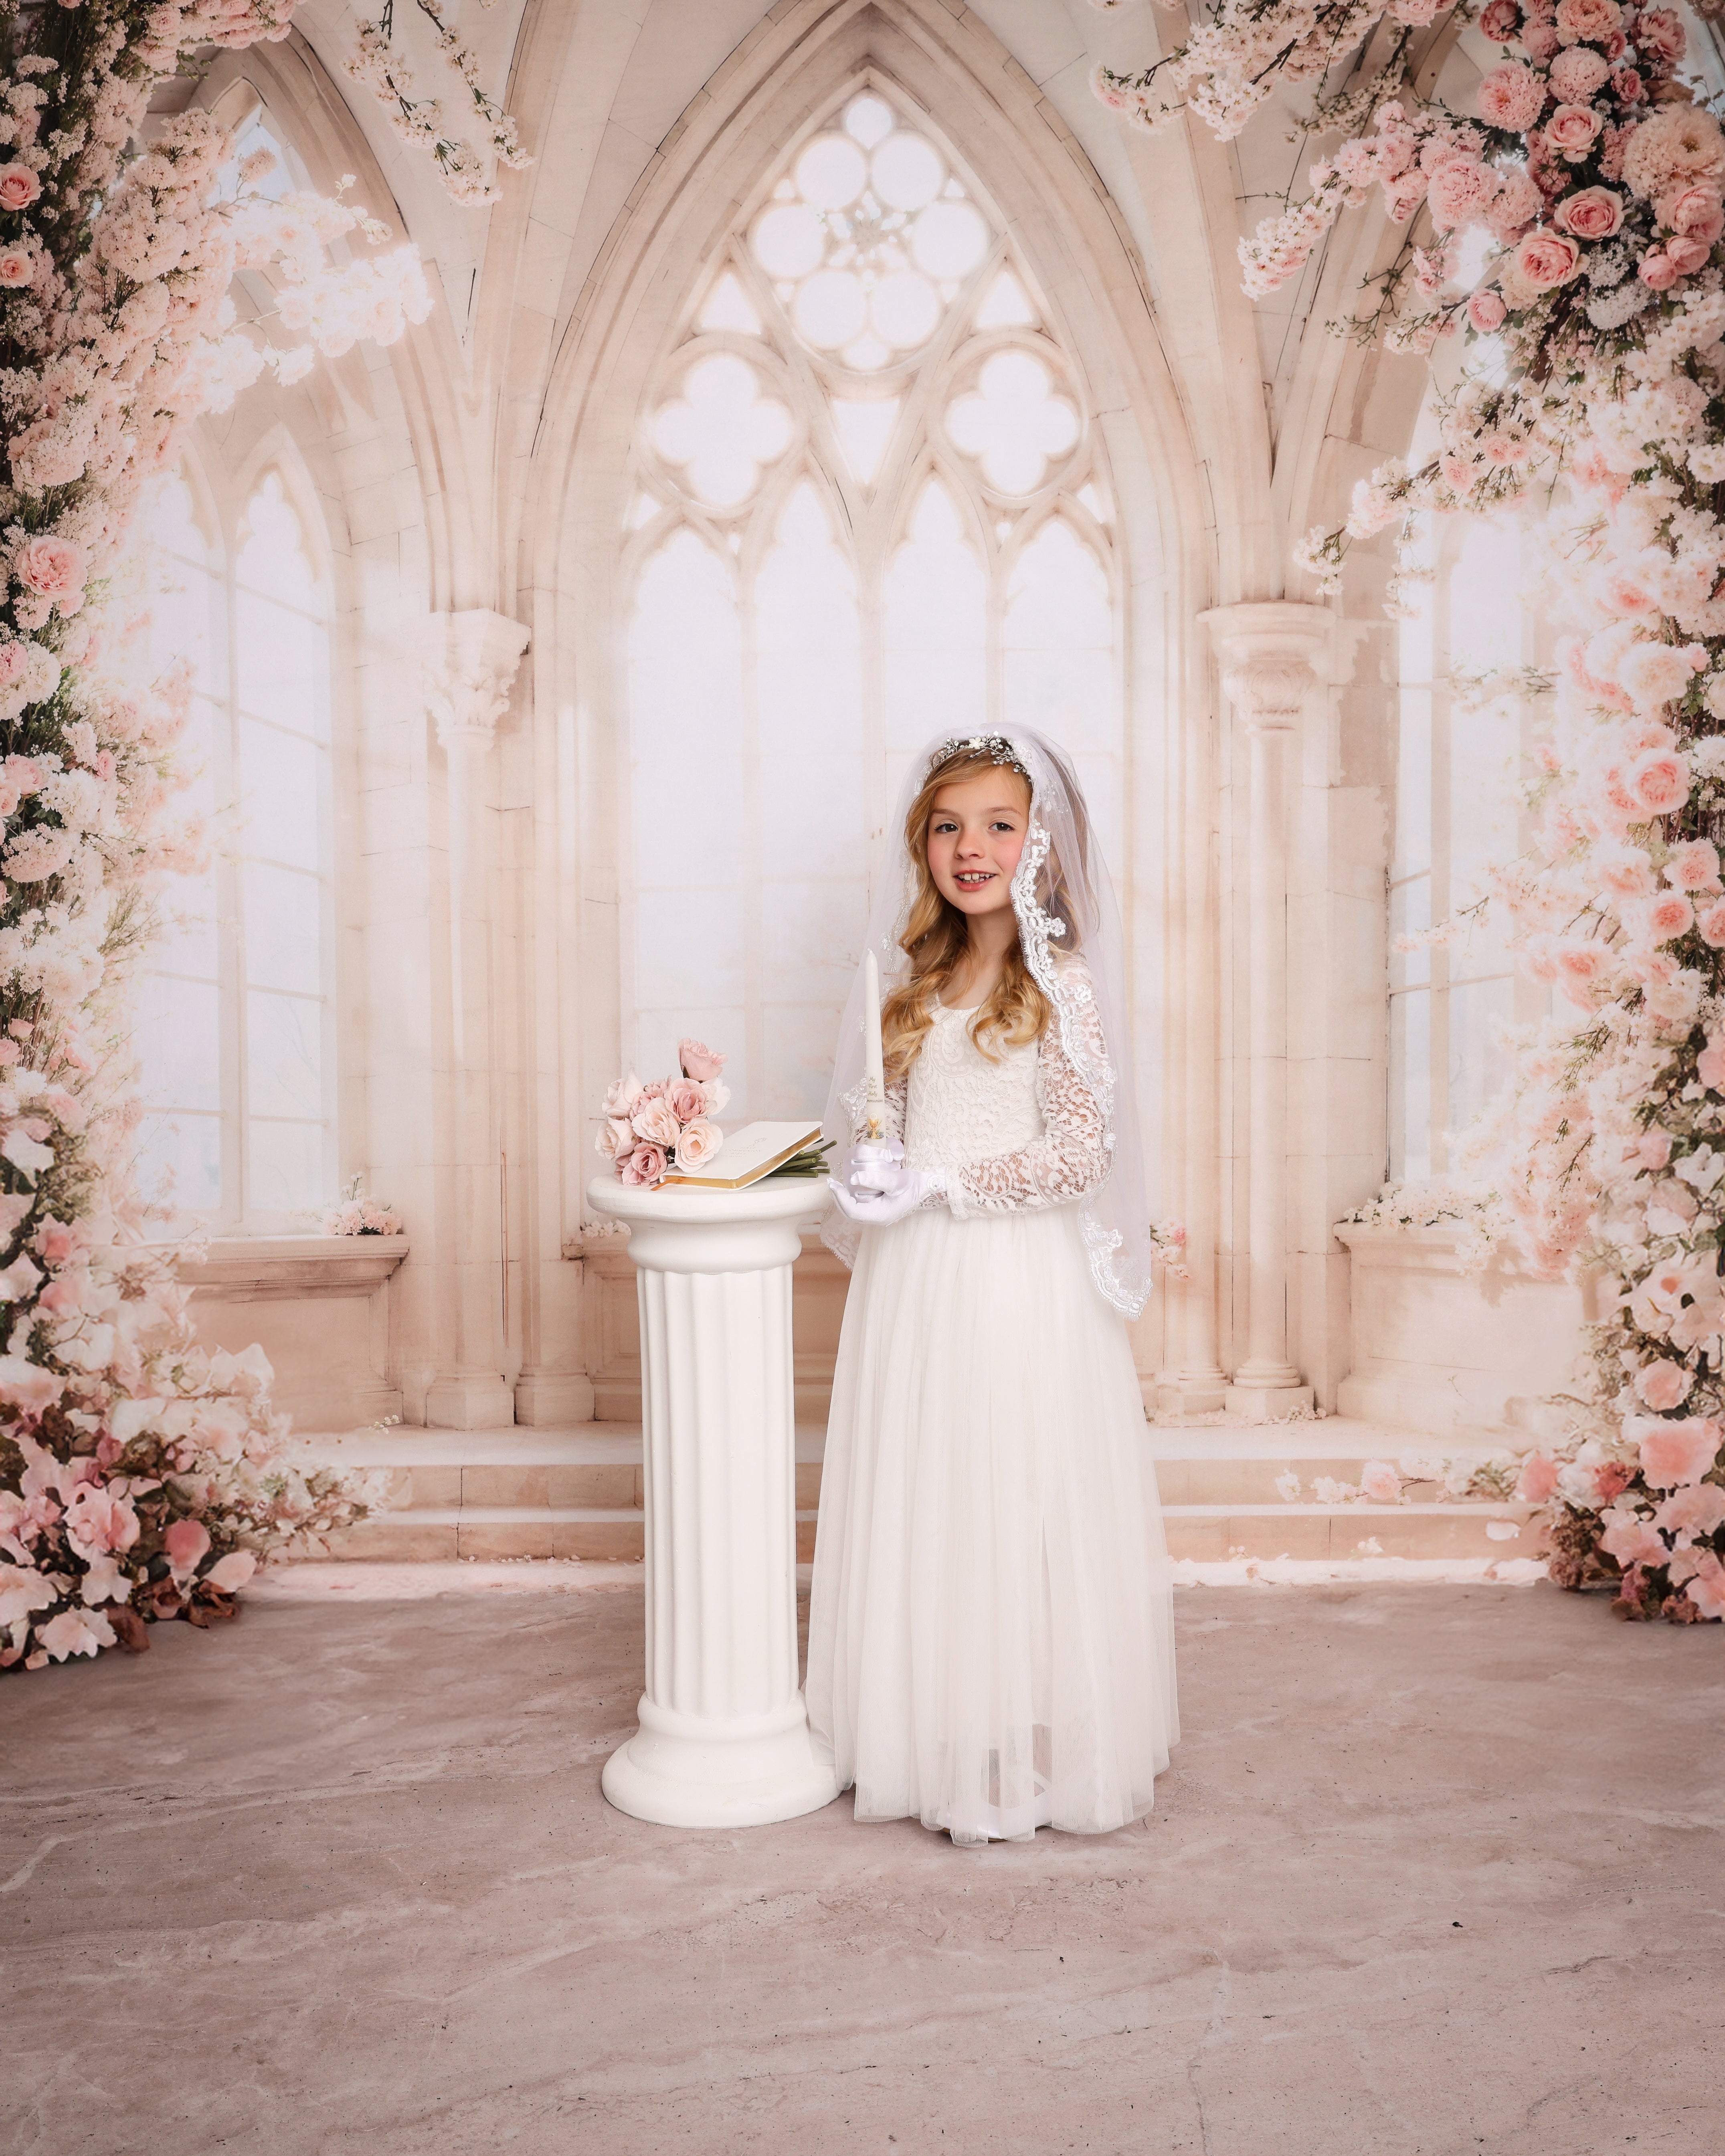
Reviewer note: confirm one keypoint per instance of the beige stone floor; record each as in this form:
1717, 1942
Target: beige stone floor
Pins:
1437, 1869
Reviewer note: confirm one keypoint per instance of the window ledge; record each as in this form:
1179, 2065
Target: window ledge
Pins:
253, 1266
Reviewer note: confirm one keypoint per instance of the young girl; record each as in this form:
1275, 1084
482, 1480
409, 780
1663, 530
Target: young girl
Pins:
990, 1641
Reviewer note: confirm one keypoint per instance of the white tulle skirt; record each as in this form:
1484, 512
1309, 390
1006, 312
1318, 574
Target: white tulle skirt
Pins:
990, 1638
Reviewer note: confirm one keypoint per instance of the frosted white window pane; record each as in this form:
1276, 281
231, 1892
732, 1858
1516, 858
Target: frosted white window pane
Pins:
831, 171
282, 665
727, 308
905, 308
936, 629
1484, 600
284, 925
179, 1041
179, 1158
280, 781
867, 120
907, 170
1413, 788
788, 240
284, 1055
685, 722
285, 1164
864, 431
1485, 750
1059, 637
949, 239
273, 559
1013, 422
723, 429
171, 519
1476, 1010
1007, 306
188, 942
184, 613
830, 308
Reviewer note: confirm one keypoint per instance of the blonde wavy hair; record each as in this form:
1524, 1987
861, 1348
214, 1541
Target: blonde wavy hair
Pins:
934, 941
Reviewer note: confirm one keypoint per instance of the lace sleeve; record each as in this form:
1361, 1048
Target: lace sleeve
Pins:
1064, 1164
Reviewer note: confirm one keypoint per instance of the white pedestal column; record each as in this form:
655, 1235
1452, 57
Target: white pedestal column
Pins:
724, 1739
1267, 650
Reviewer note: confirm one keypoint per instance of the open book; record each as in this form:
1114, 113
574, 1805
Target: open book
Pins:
746, 1156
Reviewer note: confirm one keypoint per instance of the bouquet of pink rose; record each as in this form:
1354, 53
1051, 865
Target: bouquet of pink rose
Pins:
649, 1129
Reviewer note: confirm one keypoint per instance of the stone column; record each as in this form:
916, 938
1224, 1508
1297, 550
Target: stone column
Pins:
469, 672
1268, 651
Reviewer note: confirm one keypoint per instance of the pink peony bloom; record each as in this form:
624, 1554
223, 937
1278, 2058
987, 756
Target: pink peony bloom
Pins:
1538, 1481
54, 568
1588, 22
1576, 73
644, 1165
1686, 256
99, 1521
1546, 260
1674, 1453
1593, 213
1657, 271
1694, 213
1632, 1540
697, 1060
1653, 674
1379, 1482
1486, 311
1664, 1385
1661, 919
1511, 97
1660, 32
1627, 86
187, 1542
1712, 925
1572, 131
1697, 1509
1500, 20
19, 186
1460, 192
1542, 41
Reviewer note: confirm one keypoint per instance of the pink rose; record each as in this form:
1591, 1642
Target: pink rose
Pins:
1572, 130
19, 186
1538, 1479
1694, 865
1518, 203
1706, 1585
1460, 192
644, 1165
1627, 86
700, 1141
1594, 213
1694, 213
17, 267
1674, 1453
616, 1135
54, 568
1548, 259
1541, 40
1588, 22
686, 1100
1697, 1509
1486, 311
1661, 919
623, 1096
1511, 97
1659, 780
656, 1123
1658, 272
1500, 20
99, 1521
697, 1060
1686, 256
1379, 1483
187, 1542
1712, 926
1664, 1385
1659, 31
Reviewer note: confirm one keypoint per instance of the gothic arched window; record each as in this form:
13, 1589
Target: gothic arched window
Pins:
235, 1016
870, 507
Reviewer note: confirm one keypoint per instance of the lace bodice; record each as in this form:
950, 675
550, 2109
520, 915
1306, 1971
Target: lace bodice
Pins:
1017, 1132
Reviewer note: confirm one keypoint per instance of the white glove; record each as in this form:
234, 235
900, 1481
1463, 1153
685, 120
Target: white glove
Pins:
880, 1209
874, 1170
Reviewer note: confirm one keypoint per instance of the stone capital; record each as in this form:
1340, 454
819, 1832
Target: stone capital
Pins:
469, 672
1270, 651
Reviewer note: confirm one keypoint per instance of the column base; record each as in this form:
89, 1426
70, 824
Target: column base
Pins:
1192, 1392
677, 1772
548, 1399
1268, 1403
475, 1400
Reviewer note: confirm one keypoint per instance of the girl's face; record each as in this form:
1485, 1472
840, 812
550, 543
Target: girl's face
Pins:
976, 833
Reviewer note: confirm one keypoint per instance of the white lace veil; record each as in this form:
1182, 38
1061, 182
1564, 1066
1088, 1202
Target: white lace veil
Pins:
1064, 899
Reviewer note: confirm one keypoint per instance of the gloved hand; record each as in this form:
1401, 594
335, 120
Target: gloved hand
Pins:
878, 1208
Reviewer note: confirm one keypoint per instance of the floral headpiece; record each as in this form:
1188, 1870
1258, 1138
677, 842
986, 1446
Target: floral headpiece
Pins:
995, 746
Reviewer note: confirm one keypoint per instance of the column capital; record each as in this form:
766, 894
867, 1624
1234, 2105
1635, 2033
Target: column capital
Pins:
469, 672
1269, 650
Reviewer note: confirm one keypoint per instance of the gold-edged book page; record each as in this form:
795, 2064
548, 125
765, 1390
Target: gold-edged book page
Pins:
754, 1151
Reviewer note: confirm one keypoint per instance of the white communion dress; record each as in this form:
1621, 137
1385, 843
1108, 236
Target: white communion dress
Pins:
990, 1640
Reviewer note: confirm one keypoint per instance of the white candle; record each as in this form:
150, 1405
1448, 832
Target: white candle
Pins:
874, 1065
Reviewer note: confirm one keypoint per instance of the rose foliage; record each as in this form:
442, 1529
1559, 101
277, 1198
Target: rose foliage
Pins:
142, 1475
1592, 405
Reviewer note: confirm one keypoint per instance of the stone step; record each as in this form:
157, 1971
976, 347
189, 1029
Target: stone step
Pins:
578, 1493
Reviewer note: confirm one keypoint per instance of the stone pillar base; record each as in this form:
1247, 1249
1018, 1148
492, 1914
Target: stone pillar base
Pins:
480, 1399
1267, 1402
1191, 1393
547, 1399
